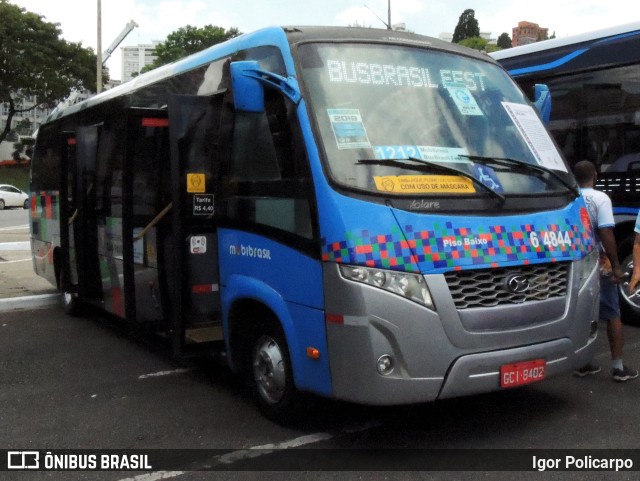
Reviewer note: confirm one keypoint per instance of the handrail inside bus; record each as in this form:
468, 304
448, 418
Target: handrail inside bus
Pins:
72, 219
153, 222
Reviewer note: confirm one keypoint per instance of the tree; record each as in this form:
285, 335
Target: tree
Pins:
36, 63
467, 26
504, 41
476, 43
188, 40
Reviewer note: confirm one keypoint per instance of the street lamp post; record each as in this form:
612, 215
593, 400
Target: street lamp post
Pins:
99, 51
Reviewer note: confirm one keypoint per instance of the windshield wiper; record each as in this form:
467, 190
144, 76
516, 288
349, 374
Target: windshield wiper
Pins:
428, 166
505, 161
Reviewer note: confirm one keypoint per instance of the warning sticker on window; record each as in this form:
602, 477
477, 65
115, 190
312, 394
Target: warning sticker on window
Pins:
196, 183
348, 128
420, 184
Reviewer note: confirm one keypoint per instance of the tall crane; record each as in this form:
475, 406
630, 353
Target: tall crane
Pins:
76, 96
127, 30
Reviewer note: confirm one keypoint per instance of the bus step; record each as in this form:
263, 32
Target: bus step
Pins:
199, 335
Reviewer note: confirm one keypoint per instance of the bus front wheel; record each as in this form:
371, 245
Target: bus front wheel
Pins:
272, 376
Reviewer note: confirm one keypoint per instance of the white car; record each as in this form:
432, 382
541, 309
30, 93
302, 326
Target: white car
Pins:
11, 196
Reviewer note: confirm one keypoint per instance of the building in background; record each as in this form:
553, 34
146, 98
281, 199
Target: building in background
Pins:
135, 57
24, 123
528, 32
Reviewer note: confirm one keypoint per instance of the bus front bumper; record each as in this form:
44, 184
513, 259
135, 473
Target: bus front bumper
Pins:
433, 356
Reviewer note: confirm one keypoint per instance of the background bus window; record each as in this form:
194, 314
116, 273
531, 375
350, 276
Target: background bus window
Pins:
596, 116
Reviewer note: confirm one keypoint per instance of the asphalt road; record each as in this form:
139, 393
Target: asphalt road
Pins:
83, 383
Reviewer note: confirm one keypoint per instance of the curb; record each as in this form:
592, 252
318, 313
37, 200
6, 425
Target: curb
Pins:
29, 302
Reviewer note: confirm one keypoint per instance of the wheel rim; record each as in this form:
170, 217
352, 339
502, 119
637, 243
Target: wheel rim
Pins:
623, 287
269, 370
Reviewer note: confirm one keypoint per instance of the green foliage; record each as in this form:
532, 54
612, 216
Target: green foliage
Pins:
476, 43
188, 40
504, 40
36, 61
467, 26
17, 175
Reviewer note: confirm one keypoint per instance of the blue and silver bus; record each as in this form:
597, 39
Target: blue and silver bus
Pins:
594, 80
367, 215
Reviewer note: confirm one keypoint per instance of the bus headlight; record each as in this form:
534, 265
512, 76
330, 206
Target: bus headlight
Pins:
408, 285
586, 266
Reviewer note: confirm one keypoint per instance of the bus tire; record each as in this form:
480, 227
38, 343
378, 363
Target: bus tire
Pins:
271, 376
70, 303
629, 306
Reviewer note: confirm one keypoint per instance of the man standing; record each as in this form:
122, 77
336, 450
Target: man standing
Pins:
601, 215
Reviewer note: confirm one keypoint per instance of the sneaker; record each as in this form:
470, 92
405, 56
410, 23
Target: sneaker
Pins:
588, 370
624, 374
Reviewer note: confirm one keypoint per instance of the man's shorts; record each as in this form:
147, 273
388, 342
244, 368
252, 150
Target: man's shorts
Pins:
609, 303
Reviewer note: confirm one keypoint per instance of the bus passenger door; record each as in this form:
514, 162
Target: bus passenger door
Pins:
69, 212
194, 130
84, 216
145, 217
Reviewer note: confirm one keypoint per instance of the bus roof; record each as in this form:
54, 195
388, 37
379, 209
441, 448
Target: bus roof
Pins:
566, 41
270, 36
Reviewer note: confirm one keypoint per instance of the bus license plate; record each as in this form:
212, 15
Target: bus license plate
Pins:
520, 373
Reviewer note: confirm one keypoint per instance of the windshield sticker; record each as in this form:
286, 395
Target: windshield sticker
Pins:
535, 135
348, 128
464, 100
488, 177
420, 184
422, 152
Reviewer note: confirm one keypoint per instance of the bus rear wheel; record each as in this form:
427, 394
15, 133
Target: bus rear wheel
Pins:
272, 377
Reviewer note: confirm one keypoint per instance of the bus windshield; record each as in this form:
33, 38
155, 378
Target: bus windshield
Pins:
383, 109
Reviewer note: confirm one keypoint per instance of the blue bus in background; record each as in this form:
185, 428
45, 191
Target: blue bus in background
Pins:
594, 80
367, 215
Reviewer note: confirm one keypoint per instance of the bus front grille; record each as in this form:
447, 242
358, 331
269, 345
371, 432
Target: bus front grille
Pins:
491, 287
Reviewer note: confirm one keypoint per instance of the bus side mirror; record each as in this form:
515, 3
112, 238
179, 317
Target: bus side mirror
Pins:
248, 91
543, 102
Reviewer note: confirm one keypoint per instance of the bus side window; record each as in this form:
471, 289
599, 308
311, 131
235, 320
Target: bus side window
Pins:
268, 170
254, 155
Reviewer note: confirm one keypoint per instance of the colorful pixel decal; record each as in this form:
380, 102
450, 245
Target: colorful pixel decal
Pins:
447, 246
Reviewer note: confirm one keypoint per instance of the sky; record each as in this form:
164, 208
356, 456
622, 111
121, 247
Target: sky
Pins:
158, 18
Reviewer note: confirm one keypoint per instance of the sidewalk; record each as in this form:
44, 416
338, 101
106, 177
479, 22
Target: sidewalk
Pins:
17, 278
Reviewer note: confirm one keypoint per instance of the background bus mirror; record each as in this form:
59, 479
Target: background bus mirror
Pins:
248, 91
543, 101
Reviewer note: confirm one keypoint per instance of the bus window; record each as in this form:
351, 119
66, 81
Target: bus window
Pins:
267, 171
